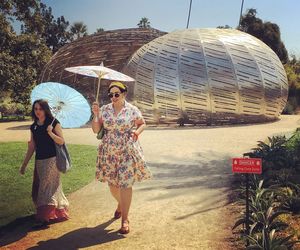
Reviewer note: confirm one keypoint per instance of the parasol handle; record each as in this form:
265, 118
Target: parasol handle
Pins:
98, 88
53, 119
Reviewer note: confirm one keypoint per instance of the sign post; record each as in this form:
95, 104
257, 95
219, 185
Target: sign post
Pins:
247, 166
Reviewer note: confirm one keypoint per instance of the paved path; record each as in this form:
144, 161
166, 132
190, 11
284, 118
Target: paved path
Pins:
185, 206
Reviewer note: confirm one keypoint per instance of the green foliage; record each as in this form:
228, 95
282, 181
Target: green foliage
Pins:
261, 208
273, 153
23, 56
78, 29
291, 198
269, 241
15, 190
32, 56
264, 219
99, 30
144, 23
36, 18
279, 196
267, 32
293, 147
224, 27
293, 74
7, 107
55, 32
291, 106
22, 64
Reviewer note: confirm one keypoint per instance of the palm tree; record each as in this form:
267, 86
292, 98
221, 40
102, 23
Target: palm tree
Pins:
78, 29
99, 30
144, 23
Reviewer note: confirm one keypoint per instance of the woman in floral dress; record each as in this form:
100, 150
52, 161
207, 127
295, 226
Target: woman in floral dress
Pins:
120, 156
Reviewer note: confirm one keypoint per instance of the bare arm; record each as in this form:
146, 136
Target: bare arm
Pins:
141, 125
29, 153
96, 122
57, 136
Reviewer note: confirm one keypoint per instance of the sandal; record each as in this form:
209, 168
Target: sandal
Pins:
117, 214
125, 227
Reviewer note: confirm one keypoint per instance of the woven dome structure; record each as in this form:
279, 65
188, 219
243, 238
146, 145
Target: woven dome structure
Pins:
208, 76
114, 48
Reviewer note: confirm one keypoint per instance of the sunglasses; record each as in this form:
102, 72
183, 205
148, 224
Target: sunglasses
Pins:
111, 95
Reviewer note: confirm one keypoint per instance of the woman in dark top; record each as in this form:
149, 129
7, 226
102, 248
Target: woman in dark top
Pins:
47, 194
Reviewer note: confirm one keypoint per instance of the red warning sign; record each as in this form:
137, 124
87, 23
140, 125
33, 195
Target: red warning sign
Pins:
246, 165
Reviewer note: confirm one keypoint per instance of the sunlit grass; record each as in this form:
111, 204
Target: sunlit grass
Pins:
15, 190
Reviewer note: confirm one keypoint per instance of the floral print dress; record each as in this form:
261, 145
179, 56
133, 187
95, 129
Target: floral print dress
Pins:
120, 159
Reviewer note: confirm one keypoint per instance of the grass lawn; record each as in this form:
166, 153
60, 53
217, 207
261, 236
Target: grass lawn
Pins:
10, 118
15, 190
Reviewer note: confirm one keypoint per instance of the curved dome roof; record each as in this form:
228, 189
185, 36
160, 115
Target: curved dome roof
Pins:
208, 76
113, 47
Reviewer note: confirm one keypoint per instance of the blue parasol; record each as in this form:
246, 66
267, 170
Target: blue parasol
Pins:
67, 105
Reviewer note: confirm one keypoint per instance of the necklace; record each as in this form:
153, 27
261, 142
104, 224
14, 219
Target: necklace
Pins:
38, 122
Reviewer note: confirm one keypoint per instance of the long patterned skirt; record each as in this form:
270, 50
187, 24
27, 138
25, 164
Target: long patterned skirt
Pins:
47, 193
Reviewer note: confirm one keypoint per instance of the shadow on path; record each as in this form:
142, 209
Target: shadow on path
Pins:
81, 238
21, 127
209, 174
16, 230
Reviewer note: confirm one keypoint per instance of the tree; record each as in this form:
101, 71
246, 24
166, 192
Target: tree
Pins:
6, 33
99, 30
36, 18
23, 56
57, 34
41, 22
224, 27
292, 70
32, 56
144, 23
21, 66
267, 32
78, 29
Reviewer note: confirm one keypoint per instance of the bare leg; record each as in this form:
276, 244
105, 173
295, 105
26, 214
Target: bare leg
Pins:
126, 196
116, 194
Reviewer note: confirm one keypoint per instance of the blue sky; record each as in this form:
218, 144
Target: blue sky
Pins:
169, 15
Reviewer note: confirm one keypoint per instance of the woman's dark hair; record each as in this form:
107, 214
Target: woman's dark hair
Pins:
45, 106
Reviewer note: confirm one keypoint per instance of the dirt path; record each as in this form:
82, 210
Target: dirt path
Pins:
185, 206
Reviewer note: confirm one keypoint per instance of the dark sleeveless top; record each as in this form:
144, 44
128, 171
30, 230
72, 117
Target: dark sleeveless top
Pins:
44, 144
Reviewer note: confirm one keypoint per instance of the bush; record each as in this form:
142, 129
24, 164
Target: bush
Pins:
273, 153
288, 109
11, 109
290, 106
293, 146
7, 108
264, 218
291, 198
280, 195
